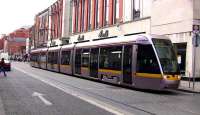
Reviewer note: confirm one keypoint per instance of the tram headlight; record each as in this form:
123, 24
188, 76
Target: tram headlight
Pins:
165, 76
179, 77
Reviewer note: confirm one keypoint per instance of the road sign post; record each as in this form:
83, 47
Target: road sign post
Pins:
195, 43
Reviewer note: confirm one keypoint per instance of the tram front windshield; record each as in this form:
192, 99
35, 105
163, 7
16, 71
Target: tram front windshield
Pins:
166, 56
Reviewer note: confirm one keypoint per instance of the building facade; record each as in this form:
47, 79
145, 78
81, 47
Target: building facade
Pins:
2, 43
92, 19
51, 25
77, 20
15, 42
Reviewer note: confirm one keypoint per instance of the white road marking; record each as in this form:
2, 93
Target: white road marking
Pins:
90, 100
40, 96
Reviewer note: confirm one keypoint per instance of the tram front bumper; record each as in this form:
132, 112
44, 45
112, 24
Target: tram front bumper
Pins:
171, 84
171, 81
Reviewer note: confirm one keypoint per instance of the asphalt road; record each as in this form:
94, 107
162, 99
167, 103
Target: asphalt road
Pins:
20, 94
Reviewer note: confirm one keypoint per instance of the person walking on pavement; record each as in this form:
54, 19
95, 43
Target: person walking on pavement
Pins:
2, 64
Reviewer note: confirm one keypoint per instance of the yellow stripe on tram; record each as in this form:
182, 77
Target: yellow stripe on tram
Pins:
149, 75
110, 71
64, 66
173, 77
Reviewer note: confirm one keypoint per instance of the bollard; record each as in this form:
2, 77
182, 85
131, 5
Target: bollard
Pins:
193, 83
189, 79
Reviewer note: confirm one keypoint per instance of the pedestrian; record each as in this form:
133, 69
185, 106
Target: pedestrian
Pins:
2, 65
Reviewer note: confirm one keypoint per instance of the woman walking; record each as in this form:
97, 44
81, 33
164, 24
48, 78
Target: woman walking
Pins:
2, 64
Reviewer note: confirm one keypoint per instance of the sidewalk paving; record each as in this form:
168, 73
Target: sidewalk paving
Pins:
189, 86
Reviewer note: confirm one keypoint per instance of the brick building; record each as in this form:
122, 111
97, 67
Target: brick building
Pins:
1, 43
15, 44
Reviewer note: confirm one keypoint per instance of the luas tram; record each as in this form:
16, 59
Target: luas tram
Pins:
141, 61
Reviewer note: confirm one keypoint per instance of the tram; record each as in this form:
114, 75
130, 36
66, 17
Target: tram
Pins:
140, 61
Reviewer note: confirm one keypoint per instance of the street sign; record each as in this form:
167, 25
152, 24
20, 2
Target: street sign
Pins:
197, 41
196, 37
195, 28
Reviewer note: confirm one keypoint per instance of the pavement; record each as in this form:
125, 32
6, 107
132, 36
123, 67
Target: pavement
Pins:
190, 86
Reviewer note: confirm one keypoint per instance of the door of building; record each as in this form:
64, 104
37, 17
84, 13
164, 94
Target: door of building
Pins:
180, 49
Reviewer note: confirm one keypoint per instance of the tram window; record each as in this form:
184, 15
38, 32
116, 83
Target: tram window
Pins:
146, 60
78, 61
78, 56
65, 59
32, 57
49, 57
110, 58
85, 57
43, 57
36, 57
55, 58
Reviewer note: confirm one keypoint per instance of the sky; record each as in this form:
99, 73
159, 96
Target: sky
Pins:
15, 14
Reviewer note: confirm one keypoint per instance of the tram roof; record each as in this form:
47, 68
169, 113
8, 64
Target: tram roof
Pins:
54, 48
68, 46
44, 49
39, 50
117, 40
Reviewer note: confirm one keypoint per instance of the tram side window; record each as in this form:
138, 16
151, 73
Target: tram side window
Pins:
55, 58
37, 57
32, 57
146, 60
85, 57
43, 57
110, 58
50, 57
65, 58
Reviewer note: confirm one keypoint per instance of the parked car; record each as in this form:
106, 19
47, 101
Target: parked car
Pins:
7, 65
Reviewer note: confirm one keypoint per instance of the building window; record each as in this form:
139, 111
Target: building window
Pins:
136, 9
83, 14
77, 15
116, 11
70, 17
106, 12
89, 13
97, 12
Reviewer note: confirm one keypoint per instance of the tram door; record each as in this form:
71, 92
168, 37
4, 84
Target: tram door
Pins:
94, 62
78, 61
127, 64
